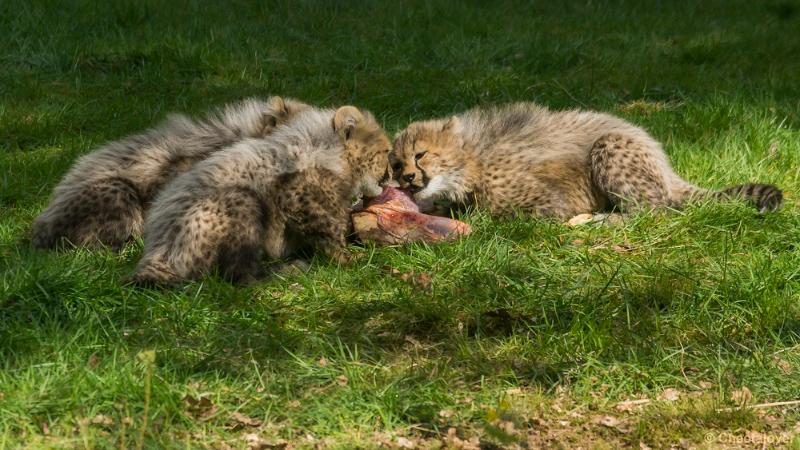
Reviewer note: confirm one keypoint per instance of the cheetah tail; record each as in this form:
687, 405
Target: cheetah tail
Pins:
765, 197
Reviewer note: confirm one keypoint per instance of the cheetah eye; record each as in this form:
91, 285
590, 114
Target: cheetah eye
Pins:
419, 155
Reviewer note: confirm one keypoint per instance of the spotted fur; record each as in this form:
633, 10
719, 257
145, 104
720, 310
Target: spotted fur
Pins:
102, 199
267, 196
523, 157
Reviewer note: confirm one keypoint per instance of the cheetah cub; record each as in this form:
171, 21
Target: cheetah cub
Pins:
524, 157
266, 197
101, 200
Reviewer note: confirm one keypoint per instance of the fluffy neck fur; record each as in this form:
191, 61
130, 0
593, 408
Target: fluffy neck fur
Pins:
313, 143
317, 146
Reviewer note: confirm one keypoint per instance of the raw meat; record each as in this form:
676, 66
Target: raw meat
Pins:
394, 218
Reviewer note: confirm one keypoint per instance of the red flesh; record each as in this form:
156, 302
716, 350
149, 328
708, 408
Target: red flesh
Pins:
398, 220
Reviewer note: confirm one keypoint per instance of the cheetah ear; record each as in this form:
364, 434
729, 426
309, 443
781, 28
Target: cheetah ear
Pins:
278, 104
276, 111
345, 120
453, 125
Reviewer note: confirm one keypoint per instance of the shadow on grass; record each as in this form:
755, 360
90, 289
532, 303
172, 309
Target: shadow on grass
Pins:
514, 321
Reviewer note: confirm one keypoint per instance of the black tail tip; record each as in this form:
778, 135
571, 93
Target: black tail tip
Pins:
765, 197
769, 198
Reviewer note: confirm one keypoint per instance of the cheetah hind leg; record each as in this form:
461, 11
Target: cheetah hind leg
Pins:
629, 172
153, 274
240, 255
290, 267
103, 213
225, 233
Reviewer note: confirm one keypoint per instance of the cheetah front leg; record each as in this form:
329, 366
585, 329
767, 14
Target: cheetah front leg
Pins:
328, 234
325, 227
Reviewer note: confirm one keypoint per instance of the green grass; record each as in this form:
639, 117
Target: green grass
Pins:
530, 332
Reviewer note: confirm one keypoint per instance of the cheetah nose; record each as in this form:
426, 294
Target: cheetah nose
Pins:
408, 178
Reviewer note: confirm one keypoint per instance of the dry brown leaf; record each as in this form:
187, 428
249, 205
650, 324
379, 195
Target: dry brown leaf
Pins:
200, 408
608, 421
621, 248
669, 395
323, 362
92, 361
507, 427
575, 414
102, 419
613, 219
256, 442
773, 149
742, 396
391, 270
240, 420
294, 403
342, 380
383, 439
446, 413
705, 385
782, 364
412, 340
631, 405
422, 280
578, 242
453, 441
405, 443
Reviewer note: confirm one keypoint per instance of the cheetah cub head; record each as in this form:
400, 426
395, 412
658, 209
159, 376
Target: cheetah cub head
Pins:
428, 159
366, 148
